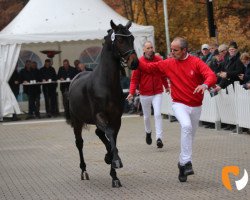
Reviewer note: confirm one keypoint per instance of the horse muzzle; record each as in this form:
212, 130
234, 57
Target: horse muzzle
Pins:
132, 61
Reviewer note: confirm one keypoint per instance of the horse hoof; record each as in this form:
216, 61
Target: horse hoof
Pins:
84, 176
108, 159
116, 183
117, 164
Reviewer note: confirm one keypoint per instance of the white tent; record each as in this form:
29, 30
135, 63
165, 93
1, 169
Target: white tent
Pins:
56, 21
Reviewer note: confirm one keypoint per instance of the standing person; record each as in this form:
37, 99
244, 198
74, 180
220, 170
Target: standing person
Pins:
76, 63
25, 78
48, 74
35, 90
65, 73
207, 55
189, 77
150, 89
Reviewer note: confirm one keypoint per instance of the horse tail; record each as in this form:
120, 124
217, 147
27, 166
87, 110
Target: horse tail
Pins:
66, 107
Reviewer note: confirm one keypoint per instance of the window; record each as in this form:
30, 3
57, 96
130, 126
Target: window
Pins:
91, 56
28, 55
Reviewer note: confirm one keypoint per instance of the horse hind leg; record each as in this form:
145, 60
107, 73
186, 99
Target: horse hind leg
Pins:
79, 145
108, 157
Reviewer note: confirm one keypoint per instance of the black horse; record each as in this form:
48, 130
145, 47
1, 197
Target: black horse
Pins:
97, 98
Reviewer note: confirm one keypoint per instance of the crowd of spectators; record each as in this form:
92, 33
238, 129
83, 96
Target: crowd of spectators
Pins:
229, 65
225, 60
44, 80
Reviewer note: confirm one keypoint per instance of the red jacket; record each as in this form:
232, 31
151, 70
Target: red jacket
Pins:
148, 83
185, 76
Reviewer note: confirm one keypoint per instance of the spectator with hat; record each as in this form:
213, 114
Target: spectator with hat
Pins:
217, 64
223, 51
207, 55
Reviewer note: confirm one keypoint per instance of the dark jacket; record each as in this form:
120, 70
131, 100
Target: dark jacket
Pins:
35, 89
233, 67
46, 74
216, 66
25, 75
63, 73
247, 74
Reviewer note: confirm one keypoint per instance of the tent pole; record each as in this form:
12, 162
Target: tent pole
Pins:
59, 55
166, 26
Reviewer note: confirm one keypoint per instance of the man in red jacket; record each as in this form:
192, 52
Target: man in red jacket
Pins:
189, 77
150, 88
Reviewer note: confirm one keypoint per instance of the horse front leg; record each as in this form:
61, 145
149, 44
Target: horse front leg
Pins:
116, 161
103, 138
79, 145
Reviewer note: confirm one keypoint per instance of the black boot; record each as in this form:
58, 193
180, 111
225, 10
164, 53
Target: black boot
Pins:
159, 143
182, 177
188, 169
148, 138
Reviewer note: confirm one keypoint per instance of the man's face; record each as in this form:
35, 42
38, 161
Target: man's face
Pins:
47, 64
232, 51
205, 51
76, 62
223, 53
28, 65
34, 65
148, 50
66, 64
245, 61
177, 52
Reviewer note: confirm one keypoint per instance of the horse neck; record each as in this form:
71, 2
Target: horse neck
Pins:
109, 66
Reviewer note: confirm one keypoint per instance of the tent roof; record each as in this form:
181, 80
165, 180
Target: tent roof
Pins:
64, 20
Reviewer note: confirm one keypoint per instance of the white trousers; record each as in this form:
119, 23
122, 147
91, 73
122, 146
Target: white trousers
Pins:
188, 118
146, 102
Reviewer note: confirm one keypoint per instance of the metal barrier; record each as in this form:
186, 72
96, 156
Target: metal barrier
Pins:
242, 105
225, 101
230, 106
209, 112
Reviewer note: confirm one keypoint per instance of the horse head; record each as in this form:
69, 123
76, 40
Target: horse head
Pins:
123, 44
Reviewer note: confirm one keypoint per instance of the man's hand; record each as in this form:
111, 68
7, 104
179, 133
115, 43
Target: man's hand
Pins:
217, 88
200, 88
130, 97
241, 76
223, 74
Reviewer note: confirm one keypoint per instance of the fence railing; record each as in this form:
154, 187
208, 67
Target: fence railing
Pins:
230, 106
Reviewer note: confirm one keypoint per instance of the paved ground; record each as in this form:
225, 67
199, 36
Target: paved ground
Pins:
40, 161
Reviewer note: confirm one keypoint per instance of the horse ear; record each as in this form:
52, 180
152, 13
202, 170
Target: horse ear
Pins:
112, 24
128, 24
